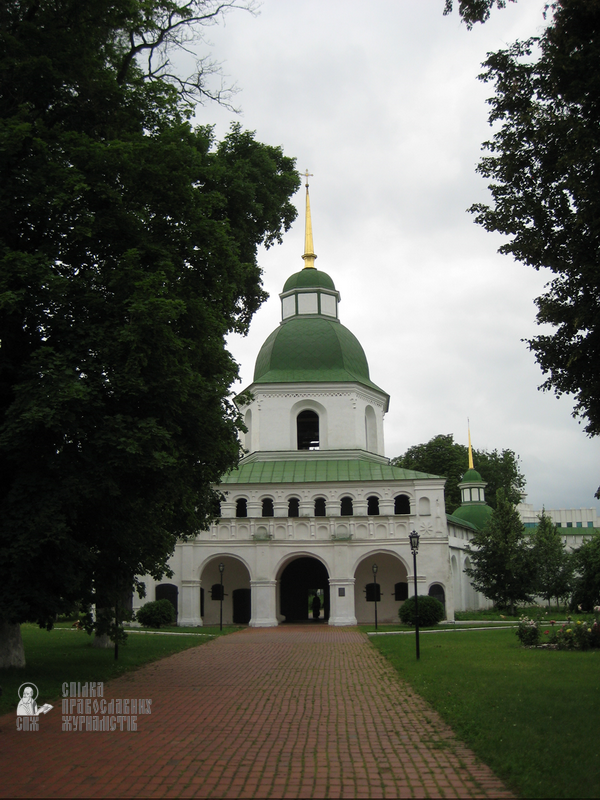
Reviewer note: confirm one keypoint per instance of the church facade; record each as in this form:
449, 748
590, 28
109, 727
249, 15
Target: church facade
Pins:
315, 509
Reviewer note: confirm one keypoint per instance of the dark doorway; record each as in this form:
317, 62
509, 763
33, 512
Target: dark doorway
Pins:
437, 591
242, 608
299, 580
167, 591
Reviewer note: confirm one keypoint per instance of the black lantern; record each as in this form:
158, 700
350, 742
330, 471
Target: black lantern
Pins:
221, 568
413, 538
374, 568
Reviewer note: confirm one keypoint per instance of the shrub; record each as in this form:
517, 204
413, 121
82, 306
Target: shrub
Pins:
156, 613
528, 632
579, 635
431, 611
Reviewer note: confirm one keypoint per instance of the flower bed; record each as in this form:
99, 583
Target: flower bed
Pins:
570, 635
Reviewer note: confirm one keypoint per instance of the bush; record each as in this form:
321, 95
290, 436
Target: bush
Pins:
431, 611
528, 632
156, 613
579, 635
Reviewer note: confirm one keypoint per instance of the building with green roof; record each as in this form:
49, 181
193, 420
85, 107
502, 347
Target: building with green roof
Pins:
315, 509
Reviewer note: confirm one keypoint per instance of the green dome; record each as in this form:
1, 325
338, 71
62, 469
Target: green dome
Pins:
477, 514
312, 349
309, 279
472, 476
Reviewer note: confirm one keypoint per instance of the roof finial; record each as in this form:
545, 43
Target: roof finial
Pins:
309, 255
470, 448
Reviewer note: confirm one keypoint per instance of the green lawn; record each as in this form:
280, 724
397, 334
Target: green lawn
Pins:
63, 654
531, 715
552, 612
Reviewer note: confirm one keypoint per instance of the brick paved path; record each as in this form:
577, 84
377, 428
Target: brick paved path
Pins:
295, 711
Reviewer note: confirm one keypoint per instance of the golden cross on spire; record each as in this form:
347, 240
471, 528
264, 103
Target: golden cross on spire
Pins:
306, 174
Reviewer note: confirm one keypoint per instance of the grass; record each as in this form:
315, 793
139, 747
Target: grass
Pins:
531, 715
392, 627
554, 612
64, 654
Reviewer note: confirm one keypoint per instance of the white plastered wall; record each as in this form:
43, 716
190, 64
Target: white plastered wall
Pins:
341, 408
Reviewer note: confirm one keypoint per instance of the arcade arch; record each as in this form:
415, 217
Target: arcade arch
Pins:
391, 571
236, 591
300, 579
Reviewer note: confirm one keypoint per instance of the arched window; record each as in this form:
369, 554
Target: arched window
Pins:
402, 504
370, 429
320, 507
307, 426
372, 506
241, 507
424, 506
267, 507
248, 435
346, 509
293, 507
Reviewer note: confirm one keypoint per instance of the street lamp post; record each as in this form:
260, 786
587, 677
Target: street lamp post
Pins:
221, 568
375, 591
413, 538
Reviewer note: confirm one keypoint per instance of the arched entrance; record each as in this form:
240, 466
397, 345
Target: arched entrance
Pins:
302, 580
170, 592
437, 590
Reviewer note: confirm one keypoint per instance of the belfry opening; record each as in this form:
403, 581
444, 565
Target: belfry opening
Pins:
304, 591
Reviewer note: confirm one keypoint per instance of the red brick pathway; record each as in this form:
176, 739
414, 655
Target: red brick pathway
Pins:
295, 711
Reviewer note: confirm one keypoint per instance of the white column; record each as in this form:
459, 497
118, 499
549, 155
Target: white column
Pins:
341, 601
264, 604
190, 604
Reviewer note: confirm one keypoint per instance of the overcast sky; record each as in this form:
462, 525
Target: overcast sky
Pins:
381, 103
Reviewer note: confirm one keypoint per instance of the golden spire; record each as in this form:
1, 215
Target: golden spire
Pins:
309, 255
470, 448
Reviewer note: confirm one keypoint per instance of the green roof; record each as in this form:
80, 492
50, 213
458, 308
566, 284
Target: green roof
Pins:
314, 350
476, 513
319, 470
472, 476
458, 521
309, 278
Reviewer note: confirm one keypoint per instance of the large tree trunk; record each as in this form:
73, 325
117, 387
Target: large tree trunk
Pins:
103, 641
12, 653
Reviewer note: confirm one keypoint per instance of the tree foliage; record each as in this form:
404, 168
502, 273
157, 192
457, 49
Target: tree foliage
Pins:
586, 584
544, 164
128, 250
441, 455
553, 567
473, 11
503, 568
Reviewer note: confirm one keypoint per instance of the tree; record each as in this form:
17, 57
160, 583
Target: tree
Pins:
586, 584
473, 11
553, 569
441, 455
128, 244
502, 564
545, 168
